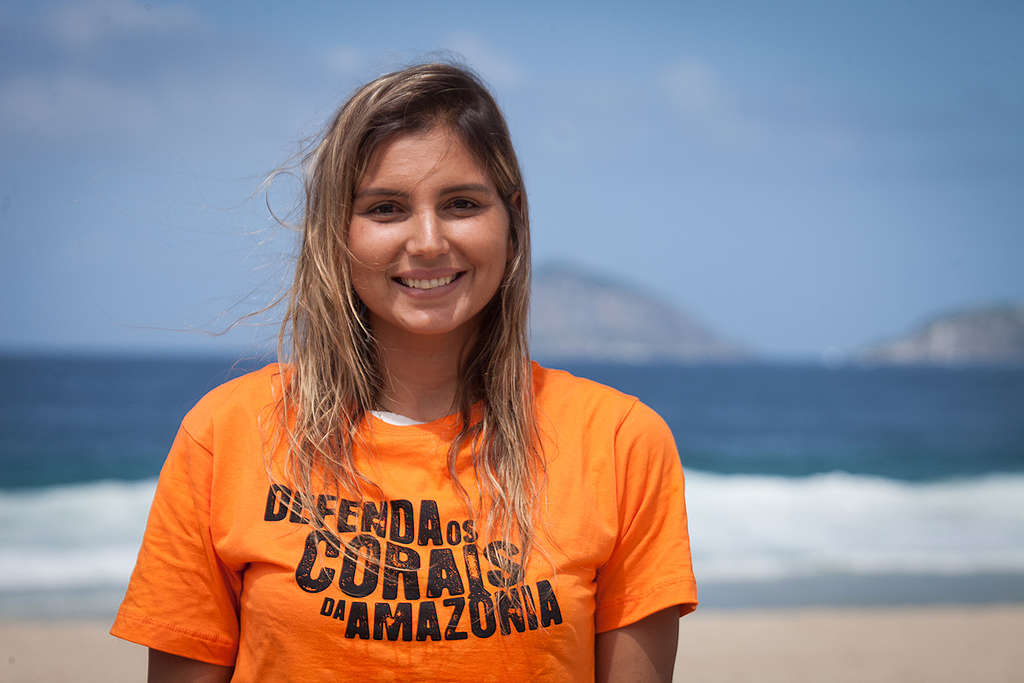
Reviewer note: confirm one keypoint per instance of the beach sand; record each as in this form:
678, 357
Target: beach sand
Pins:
972, 643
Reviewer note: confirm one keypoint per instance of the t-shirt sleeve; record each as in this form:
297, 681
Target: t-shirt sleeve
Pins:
182, 598
649, 568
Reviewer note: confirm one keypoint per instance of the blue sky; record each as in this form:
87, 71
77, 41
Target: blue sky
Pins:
803, 177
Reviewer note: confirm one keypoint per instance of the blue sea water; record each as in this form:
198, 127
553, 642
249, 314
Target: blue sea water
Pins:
806, 484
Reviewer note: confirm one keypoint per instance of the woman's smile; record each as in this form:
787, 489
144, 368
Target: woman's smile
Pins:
428, 282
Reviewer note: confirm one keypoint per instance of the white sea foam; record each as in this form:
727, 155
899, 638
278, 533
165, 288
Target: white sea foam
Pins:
742, 527
74, 535
753, 527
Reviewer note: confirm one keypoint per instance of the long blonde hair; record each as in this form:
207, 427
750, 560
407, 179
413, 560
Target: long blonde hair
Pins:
335, 377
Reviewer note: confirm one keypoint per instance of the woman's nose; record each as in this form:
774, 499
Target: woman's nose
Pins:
427, 235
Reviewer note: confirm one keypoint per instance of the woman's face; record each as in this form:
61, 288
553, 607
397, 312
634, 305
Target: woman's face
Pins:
429, 237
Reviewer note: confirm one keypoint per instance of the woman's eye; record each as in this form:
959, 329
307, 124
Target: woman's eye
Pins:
463, 204
383, 210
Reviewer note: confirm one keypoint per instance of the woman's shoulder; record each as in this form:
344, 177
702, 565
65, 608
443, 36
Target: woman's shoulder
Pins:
561, 392
242, 398
552, 380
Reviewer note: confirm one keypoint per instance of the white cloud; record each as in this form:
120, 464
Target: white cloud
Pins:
695, 89
69, 103
344, 59
709, 107
84, 23
701, 97
495, 68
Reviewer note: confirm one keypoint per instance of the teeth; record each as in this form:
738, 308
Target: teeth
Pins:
426, 284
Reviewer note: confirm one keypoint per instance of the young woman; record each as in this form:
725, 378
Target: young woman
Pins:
408, 497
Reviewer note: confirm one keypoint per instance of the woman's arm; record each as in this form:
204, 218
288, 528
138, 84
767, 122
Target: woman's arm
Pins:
644, 651
165, 667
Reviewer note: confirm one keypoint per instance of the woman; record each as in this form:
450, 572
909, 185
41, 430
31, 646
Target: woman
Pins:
408, 497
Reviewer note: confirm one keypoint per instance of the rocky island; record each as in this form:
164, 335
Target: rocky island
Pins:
582, 315
984, 335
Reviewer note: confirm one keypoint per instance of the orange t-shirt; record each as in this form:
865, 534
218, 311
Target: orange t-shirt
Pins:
230, 571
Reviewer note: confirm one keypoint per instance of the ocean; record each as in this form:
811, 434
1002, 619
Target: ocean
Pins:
806, 484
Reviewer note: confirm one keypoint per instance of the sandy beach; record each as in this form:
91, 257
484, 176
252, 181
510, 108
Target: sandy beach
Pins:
971, 643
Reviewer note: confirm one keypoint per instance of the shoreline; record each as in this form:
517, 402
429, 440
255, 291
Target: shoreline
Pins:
881, 590
927, 643
839, 590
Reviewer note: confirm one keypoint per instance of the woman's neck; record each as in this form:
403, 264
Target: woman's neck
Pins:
421, 375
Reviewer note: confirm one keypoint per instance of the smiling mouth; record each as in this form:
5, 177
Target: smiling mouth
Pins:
428, 284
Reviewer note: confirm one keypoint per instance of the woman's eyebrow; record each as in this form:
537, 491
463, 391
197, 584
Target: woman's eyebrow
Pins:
380, 192
468, 187
386, 192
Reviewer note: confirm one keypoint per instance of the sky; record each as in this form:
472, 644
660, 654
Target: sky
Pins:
804, 178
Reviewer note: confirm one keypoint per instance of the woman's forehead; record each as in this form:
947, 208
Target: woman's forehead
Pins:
436, 155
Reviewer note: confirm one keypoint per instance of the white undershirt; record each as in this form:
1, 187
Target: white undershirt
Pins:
395, 418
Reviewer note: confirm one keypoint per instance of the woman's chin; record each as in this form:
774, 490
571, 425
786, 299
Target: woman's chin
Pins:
431, 329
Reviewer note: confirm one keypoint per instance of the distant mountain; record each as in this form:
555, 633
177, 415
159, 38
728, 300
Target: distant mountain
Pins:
583, 315
989, 334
